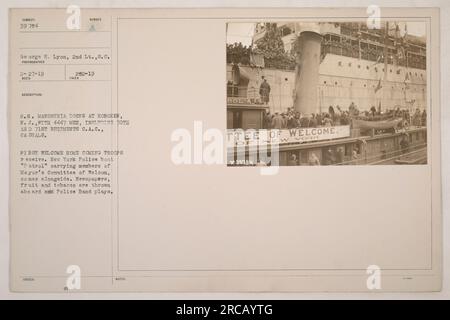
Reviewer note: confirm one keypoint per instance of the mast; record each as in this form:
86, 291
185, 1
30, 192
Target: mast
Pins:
385, 53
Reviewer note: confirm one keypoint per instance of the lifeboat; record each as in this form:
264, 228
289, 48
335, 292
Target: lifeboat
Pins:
376, 124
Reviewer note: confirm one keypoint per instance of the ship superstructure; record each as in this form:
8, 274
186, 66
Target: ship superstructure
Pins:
357, 64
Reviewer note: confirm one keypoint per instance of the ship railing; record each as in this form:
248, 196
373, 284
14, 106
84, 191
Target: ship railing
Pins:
403, 155
386, 156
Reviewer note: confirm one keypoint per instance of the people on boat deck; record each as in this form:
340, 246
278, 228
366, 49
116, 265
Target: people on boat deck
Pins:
373, 111
354, 154
340, 155
336, 116
264, 90
293, 160
424, 118
419, 118
313, 160
328, 158
277, 122
331, 112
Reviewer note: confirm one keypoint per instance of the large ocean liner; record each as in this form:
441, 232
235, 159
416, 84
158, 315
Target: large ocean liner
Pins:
352, 95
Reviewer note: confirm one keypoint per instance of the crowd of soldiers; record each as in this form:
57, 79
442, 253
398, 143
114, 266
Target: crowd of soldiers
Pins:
294, 119
338, 117
417, 118
348, 48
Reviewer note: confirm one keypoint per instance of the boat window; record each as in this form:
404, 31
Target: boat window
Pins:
283, 158
348, 149
303, 157
358, 148
293, 158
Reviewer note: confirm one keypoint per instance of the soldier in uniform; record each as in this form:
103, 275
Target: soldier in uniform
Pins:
264, 91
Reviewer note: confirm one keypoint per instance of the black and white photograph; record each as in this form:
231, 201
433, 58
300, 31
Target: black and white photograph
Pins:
328, 93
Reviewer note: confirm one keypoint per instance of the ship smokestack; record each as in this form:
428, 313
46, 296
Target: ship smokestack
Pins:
307, 72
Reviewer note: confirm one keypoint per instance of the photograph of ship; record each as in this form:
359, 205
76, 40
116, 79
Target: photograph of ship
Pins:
328, 93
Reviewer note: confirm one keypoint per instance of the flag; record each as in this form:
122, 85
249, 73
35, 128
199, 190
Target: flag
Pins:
379, 86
